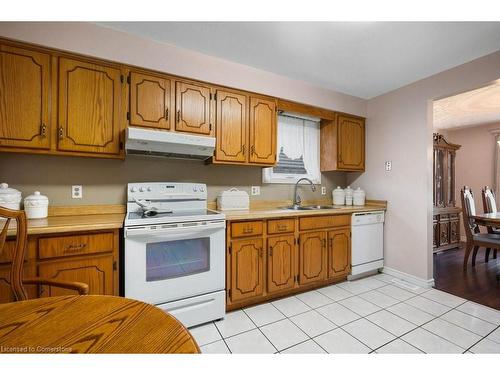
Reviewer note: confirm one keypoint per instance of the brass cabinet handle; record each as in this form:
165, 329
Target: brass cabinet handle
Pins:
243, 148
252, 149
61, 134
75, 248
43, 130
270, 251
281, 227
247, 230
178, 115
324, 242
166, 114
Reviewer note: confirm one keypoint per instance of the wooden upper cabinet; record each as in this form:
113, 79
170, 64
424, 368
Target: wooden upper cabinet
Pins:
342, 143
231, 126
192, 105
150, 101
24, 98
339, 252
281, 263
90, 108
313, 257
262, 131
351, 142
247, 269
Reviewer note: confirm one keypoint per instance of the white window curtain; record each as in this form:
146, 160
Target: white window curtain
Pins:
298, 151
496, 134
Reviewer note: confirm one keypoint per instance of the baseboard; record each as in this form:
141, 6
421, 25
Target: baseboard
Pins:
407, 277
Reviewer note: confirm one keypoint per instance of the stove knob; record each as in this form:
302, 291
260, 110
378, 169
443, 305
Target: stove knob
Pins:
202, 189
149, 188
141, 189
133, 189
195, 189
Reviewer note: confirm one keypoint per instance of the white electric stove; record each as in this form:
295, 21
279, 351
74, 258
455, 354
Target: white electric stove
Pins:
175, 250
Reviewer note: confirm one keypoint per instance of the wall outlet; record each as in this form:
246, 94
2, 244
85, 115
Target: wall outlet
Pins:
388, 165
77, 192
323, 190
255, 190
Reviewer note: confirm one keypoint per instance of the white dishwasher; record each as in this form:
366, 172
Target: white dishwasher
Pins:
367, 242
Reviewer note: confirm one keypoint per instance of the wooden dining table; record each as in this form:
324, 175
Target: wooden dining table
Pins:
90, 324
489, 220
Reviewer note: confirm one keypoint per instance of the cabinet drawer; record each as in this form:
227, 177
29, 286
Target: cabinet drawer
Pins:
280, 226
75, 245
247, 228
7, 253
318, 222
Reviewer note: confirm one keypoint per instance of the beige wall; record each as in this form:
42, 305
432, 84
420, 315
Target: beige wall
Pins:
399, 128
104, 181
475, 163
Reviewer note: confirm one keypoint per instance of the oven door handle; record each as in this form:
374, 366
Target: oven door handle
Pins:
173, 228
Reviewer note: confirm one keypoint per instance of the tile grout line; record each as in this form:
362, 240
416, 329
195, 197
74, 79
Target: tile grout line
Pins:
277, 351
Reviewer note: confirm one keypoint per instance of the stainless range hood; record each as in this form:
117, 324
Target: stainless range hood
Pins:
168, 144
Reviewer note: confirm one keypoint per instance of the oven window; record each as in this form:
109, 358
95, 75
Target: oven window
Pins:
169, 259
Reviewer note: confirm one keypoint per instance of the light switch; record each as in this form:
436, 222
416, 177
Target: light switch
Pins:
323, 190
388, 165
255, 190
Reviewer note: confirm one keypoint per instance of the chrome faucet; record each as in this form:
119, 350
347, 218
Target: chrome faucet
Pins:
296, 197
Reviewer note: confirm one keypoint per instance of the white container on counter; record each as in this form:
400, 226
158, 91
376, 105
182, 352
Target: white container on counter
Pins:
338, 195
348, 195
233, 199
36, 206
359, 197
9, 197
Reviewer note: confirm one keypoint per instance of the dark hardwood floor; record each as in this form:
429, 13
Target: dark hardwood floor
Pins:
478, 284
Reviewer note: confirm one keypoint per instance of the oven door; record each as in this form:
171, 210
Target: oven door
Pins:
168, 262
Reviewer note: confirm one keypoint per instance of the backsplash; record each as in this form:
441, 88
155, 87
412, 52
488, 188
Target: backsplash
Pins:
104, 181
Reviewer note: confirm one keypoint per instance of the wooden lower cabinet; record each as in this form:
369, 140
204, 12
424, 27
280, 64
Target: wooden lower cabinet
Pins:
339, 252
96, 272
88, 257
267, 264
247, 266
312, 257
281, 263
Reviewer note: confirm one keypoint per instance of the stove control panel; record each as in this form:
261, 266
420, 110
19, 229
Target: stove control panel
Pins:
166, 191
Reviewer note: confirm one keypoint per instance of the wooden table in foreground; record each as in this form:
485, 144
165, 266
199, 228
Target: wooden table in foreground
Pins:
90, 324
491, 219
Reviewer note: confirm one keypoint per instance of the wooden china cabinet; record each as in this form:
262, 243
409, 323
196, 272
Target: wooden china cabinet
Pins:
446, 223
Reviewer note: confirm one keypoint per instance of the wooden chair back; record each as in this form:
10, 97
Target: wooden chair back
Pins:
489, 200
468, 210
16, 271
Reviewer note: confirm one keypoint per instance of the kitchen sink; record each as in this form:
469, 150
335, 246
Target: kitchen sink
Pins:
302, 208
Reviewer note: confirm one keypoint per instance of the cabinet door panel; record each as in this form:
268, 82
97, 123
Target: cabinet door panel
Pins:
231, 127
247, 266
339, 252
262, 131
96, 271
150, 101
281, 269
192, 105
313, 259
351, 143
6, 294
24, 98
89, 107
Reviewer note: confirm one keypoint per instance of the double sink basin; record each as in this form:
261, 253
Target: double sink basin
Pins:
303, 208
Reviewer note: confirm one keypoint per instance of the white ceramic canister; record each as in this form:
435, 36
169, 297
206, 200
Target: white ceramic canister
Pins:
338, 196
359, 197
9, 197
36, 206
348, 195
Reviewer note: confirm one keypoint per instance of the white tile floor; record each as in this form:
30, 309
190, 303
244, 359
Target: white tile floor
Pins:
378, 314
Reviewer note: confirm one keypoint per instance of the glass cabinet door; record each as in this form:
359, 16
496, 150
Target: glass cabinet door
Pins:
450, 173
439, 175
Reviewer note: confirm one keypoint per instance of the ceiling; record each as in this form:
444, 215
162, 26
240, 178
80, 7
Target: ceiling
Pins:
363, 59
471, 108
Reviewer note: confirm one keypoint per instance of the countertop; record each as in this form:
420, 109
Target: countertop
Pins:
266, 213
71, 223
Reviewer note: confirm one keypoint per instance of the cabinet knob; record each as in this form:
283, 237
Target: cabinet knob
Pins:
43, 130
178, 116
252, 149
166, 114
243, 148
61, 134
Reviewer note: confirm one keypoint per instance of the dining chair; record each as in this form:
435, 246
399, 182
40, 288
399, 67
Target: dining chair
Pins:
475, 239
489, 206
16, 280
